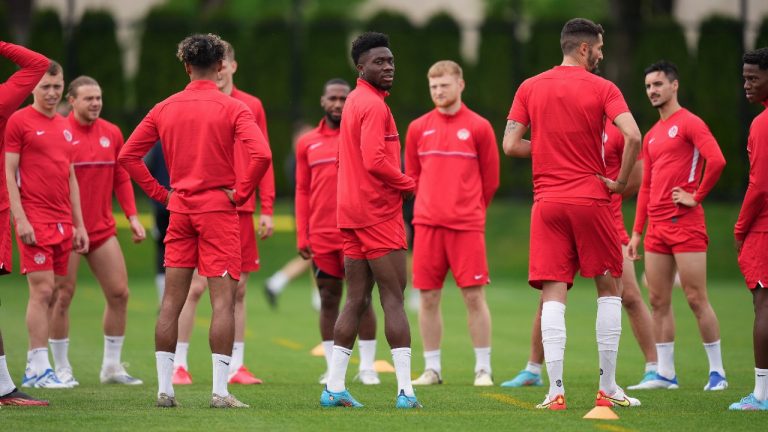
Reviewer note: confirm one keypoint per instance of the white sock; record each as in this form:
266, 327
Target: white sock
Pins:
651, 367
432, 361
221, 364
6, 383
164, 362
401, 357
181, 355
367, 353
665, 351
553, 338
60, 351
608, 330
160, 285
238, 352
29, 357
276, 283
39, 361
113, 347
761, 384
337, 373
715, 357
534, 368
483, 359
328, 353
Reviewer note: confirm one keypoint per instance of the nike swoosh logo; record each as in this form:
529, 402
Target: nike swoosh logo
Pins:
315, 145
620, 402
478, 277
75, 142
222, 361
428, 132
39, 132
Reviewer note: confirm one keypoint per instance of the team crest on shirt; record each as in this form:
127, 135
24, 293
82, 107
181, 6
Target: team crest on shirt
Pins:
104, 141
67, 135
462, 134
672, 132
39, 258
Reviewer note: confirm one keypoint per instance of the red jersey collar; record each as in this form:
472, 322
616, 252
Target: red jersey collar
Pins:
323, 129
201, 84
77, 125
445, 116
363, 83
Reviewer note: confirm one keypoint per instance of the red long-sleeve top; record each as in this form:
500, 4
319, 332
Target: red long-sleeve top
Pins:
672, 153
14, 91
370, 182
454, 160
753, 216
95, 150
198, 127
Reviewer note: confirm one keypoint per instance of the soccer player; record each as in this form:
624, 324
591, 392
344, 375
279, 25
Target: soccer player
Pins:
674, 185
198, 127
370, 192
631, 298
451, 154
751, 230
572, 226
96, 144
238, 373
45, 204
318, 237
12, 94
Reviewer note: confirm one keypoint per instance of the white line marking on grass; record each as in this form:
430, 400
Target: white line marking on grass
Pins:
613, 428
509, 400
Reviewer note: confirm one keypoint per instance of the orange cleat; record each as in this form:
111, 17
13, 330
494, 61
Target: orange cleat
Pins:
243, 376
181, 376
556, 403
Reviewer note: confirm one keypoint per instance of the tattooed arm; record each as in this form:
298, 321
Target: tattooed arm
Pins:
514, 145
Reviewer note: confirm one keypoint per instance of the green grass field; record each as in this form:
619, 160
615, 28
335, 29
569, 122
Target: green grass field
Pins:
278, 345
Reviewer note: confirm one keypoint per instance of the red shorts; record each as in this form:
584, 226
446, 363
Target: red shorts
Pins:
51, 252
753, 260
97, 239
569, 237
375, 241
209, 241
249, 251
327, 253
676, 236
6, 246
435, 249
618, 218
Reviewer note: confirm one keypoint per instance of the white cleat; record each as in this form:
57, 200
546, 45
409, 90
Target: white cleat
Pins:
429, 377
48, 380
617, 398
117, 375
66, 377
228, 401
368, 377
483, 379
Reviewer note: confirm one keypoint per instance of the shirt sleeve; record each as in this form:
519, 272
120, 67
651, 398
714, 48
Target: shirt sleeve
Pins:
757, 190
20, 84
267, 183
614, 101
703, 140
373, 148
131, 158
412, 162
303, 190
14, 136
643, 196
519, 110
260, 156
122, 182
488, 158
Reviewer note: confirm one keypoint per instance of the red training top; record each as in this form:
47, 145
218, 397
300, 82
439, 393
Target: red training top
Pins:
14, 91
267, 183
613, 142
753, 216
454, 160
44, 145
316, 158
96, 147
672, 150
198, 127
370, 183
566, 108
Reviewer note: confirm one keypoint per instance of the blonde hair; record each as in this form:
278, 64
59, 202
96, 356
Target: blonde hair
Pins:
445, 67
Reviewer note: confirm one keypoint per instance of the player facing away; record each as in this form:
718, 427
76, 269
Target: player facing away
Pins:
318, 237
96, 144
631, 298
12, 94
45, 204
451, 154
238, 372
370, 192
751, 230
674, 185
198, 128
572, 226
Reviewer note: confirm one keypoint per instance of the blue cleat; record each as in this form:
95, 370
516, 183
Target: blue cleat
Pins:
716, 382
648, 376
340, 399
524, 378
749, 403
657, 382
407, 402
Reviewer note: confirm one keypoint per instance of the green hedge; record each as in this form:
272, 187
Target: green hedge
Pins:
46, 36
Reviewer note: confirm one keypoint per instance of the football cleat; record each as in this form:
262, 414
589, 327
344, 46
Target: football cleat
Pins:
243, 376
271, 296
617, 398
47, 379
340, 399
656, 382
117, 375
554, 403
748, 403
429, 377
17, 398
66, 377
716, 382
407, 402
181, 376
166, 401
648, 376
483, 379
368, 377
228, 401
524, 378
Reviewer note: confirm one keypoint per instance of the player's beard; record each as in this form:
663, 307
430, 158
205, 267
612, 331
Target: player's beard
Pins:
594, 64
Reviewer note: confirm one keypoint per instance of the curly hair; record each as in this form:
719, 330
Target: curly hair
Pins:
201, 50
757, 57
366, 42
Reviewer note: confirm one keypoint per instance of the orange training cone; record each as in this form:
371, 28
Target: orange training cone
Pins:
318, 351
601, 413
383, 366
